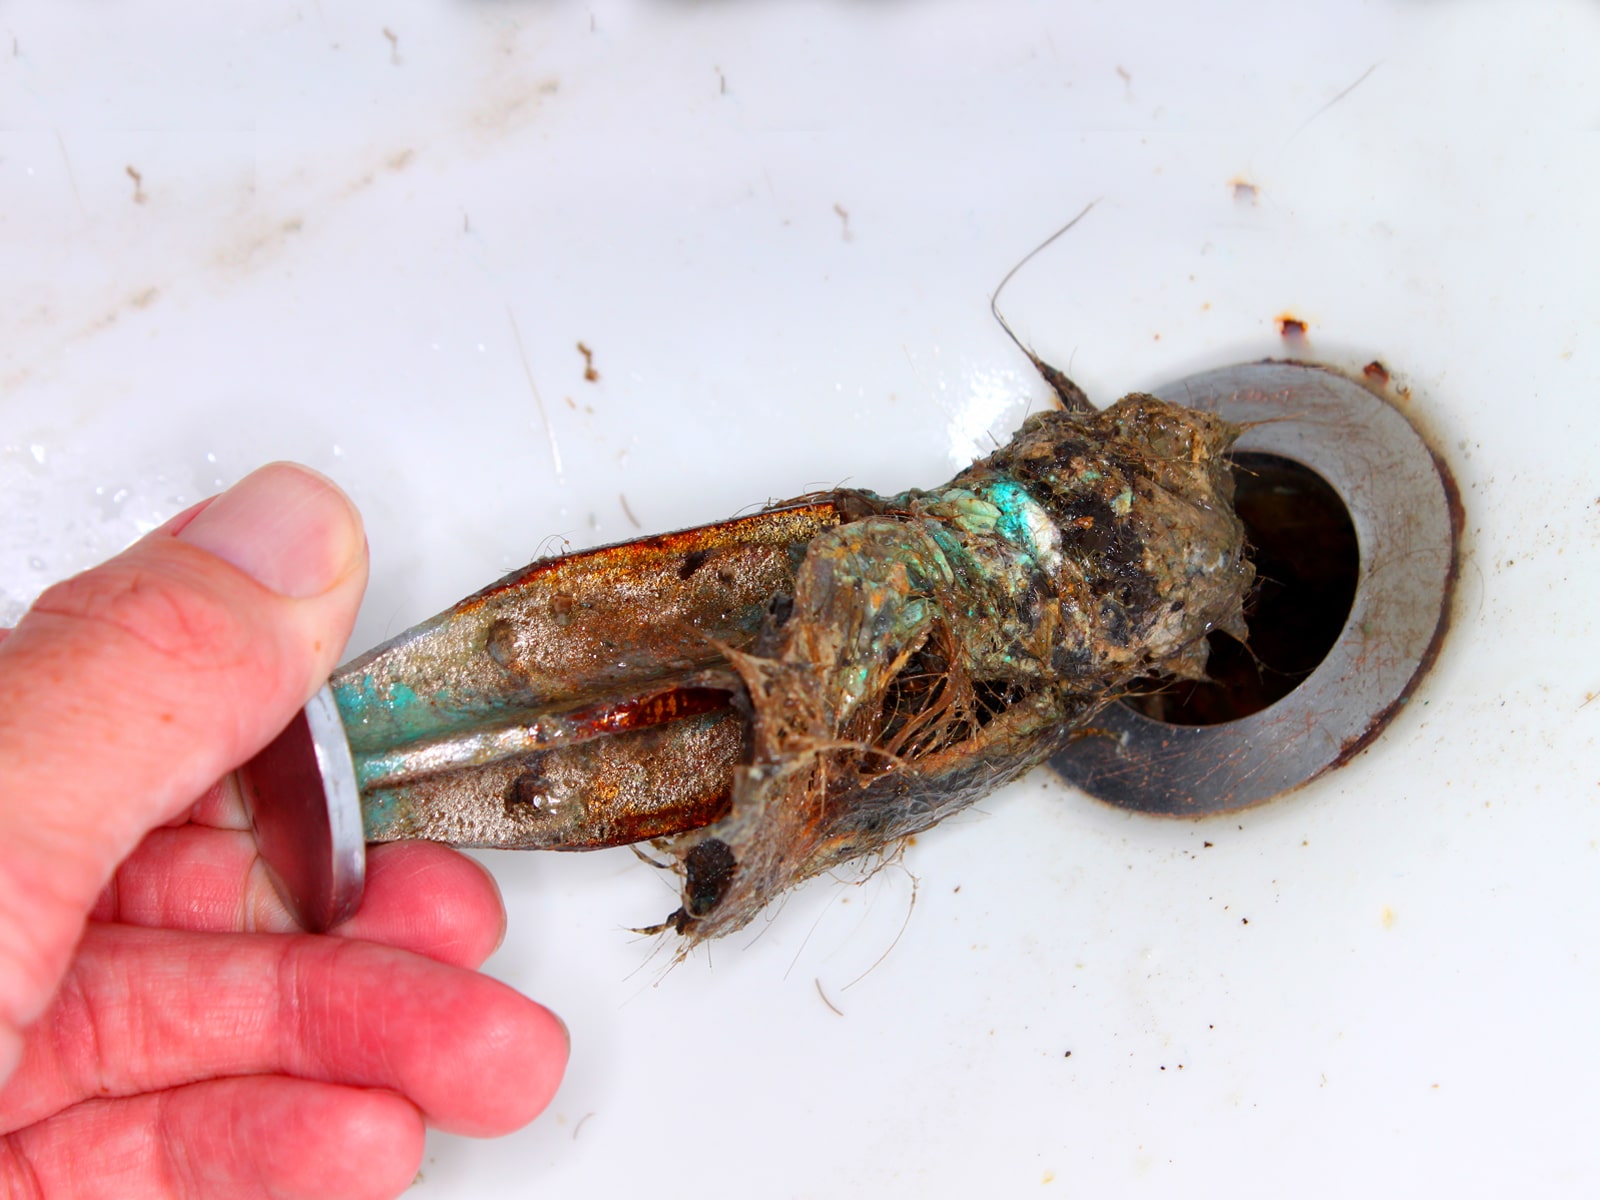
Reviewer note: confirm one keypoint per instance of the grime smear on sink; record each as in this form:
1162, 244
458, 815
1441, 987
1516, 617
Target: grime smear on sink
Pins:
242, 244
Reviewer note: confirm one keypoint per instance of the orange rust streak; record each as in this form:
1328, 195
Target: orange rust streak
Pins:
774, 527
658, 708
689, 812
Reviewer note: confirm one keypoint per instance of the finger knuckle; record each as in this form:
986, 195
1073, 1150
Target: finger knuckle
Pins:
20, 1177
75, 1039
161, 611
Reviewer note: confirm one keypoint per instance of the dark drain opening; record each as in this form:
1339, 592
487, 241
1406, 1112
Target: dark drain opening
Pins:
1307, 562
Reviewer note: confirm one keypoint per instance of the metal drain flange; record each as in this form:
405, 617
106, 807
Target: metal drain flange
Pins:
1406, 512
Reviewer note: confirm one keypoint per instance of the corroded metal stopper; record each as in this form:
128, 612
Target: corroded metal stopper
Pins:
775, 695
305, 809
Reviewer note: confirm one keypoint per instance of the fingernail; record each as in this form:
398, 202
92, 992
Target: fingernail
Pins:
286, 526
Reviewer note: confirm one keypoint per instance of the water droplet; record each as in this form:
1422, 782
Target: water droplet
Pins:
38, 453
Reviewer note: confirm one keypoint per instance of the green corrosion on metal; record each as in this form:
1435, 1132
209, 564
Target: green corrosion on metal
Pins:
943, 641
1023, 520
366, 703
357, 697
379, 814
874, 669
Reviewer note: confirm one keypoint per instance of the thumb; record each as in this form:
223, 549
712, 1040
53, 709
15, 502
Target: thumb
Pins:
127, 690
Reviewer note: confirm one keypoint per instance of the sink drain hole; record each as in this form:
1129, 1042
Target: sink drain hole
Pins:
1307, 561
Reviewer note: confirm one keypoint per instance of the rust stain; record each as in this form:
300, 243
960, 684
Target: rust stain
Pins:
1291, 327
626, 561
589, 373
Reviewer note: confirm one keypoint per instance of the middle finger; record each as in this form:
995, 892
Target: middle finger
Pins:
419, 896
143, 1010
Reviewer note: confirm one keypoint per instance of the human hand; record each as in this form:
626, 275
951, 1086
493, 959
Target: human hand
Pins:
165, 1029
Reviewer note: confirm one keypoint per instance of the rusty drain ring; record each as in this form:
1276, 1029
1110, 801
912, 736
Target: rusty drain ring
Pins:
1407, 516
